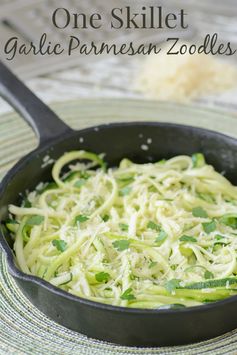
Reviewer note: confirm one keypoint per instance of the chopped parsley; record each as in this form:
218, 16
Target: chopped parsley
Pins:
128, 295
123, 227
152, 225
206, 197
35, 220
61, 245
187, 238
174, 267
84, 175
219, 237
171, 285
229, 220
121, 244
11, 221
199, 212
105, 217
162, 236
81, 218
102, 277
209, 227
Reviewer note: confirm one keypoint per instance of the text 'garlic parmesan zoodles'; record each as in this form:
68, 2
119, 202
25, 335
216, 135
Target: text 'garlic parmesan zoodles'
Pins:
154, 235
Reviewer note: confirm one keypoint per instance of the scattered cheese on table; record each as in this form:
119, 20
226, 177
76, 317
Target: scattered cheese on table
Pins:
184, 77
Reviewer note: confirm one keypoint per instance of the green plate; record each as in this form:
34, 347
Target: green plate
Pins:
24, 329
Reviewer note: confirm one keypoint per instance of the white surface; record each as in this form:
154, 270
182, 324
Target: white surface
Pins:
110, 77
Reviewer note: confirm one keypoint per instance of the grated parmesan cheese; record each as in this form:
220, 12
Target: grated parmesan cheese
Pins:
184, 77
135, 235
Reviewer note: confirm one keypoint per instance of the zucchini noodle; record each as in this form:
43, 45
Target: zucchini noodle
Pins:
155, 235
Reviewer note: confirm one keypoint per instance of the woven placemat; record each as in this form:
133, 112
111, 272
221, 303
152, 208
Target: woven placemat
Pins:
24, 329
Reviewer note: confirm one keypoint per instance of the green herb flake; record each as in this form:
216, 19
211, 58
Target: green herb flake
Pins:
11, 221
206, 197
219, 237
35, 220
152, 264
208, 275
229, 220
79, 183
123, 227
171, 285
127, 295
220, 244
102, 277
84, 175
209, 227
61, 245
105, 217
81, 218
187, 238
125, 191
199, 212
121, 244
174, 267
26, 203
152, 225
198, 160
162, 236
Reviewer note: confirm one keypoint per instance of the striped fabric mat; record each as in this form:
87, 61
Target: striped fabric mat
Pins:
24, 329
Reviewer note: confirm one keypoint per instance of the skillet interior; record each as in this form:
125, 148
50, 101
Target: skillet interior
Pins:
118, 141
121, 140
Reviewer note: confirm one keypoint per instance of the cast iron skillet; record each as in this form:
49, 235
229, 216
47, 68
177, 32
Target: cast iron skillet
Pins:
125, 326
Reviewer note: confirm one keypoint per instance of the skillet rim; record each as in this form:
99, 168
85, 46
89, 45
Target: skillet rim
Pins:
15, 272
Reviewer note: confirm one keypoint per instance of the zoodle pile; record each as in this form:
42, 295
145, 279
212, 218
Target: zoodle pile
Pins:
155, 235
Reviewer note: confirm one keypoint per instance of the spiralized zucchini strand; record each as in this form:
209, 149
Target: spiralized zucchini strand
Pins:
153, 235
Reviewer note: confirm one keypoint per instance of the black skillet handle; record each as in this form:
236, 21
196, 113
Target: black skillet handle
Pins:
46, 124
